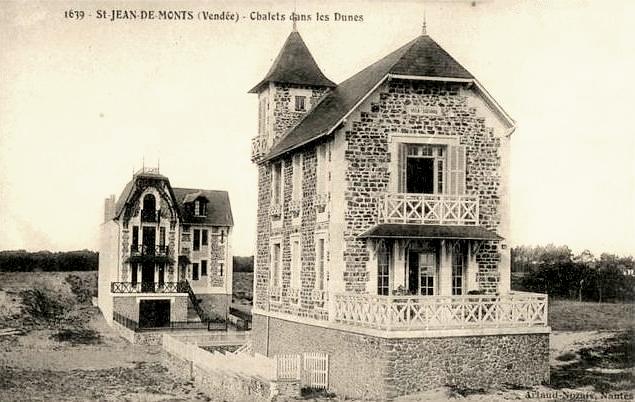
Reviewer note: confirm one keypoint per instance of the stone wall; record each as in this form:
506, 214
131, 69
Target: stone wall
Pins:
368, 158
369, 367
284, 116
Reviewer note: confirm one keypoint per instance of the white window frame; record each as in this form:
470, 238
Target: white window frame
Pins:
458, 268
295, 243
395, 142
275, 268
277, 183
300, 103
321, 168
296, 193
321, 274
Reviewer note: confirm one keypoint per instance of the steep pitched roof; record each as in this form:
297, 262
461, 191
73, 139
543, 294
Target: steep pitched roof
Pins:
421, 57
294, 65
219, 212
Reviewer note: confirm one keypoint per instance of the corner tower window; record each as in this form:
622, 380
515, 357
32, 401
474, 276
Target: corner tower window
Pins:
300, 103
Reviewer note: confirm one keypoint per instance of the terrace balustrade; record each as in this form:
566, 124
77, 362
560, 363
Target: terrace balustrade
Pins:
407, 313
149, 287
430, 209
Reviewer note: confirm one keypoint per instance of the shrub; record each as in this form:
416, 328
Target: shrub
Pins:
44, 305
79, 287
76, 336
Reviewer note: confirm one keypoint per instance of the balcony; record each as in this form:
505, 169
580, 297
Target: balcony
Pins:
258, 147
149, 250
428, 209
149, 287
411, 313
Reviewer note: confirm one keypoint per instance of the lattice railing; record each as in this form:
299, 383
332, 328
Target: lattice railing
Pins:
148, 287
441, 312
431, 209
258, 147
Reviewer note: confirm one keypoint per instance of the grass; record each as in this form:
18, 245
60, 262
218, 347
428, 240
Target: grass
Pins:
569, 315
243, 285
607, 367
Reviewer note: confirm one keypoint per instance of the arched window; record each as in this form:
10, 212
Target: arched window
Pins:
149, 203
148, 214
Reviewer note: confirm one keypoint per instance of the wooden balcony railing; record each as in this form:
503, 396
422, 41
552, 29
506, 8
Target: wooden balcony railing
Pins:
147, 249
149, 287
407, 313
258, 147
430, 209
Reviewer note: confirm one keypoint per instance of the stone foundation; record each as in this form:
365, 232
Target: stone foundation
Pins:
372, 367
128, 306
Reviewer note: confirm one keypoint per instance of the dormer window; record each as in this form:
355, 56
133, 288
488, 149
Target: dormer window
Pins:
200, 208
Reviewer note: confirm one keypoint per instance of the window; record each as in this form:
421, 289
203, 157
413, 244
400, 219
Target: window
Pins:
277, 183
322, 169
162, 236
197, 207
296, 261
204, 237
296, 194
320, 256
261, 116
383, 269
427, 270
300, 103
203, 268
458, 264
220, 268
424, 168
195, 271
276, 262
135, 237
431, 168
197, 240
134, 271
222, 237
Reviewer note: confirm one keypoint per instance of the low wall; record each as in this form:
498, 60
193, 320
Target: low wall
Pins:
138, 338
371, 367
229, 386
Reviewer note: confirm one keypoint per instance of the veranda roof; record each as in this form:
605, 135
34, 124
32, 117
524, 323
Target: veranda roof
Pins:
408, 231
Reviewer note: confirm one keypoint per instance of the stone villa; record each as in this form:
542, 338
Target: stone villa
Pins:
382, 226
165, 258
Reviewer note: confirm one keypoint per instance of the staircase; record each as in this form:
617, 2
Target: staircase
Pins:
194, 311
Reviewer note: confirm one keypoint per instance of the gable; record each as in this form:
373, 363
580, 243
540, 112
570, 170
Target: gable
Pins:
421, 59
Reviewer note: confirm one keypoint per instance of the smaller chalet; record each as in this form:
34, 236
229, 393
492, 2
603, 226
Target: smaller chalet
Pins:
165, 257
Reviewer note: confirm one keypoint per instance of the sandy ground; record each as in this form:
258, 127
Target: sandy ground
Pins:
34, 367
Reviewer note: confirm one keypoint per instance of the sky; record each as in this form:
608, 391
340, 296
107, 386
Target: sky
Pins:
83, 103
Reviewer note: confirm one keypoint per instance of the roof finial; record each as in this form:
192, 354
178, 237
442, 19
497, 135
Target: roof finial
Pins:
423, 26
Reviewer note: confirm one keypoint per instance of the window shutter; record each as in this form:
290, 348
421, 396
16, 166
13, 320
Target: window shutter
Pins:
402, 167
456, 156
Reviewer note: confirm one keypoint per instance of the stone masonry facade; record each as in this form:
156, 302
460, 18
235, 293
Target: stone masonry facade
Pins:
368, 158
376, 368
267, 227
